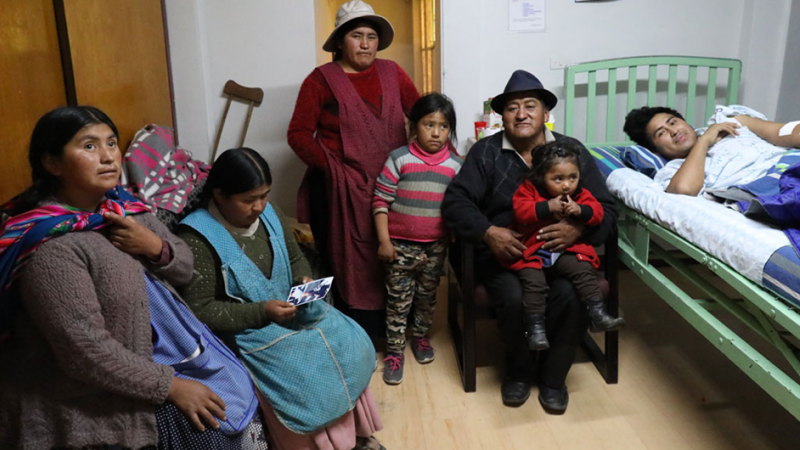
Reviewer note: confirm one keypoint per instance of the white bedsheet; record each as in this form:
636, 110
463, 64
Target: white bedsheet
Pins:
742, 243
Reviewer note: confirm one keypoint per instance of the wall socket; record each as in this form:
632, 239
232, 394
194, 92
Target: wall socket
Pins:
557, 63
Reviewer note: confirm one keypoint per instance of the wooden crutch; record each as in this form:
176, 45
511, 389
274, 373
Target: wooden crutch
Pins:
235, 90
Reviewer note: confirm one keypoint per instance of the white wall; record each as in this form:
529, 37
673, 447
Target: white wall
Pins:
257, 43
271, 45
188, 54
479, 53
763, 48
789, 98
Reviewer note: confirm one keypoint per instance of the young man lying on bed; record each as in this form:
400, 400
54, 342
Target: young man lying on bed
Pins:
739, 147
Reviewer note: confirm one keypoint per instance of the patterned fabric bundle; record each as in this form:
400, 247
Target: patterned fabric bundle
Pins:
21, 234
159, 173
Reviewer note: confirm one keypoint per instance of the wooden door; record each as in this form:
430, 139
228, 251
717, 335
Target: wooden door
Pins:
30, 85
119, 61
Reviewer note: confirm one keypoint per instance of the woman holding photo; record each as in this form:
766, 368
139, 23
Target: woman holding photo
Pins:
246, 261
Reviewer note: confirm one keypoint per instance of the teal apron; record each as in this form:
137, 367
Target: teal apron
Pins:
311, 369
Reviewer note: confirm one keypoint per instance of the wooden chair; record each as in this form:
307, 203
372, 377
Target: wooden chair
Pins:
253, 96
469, 297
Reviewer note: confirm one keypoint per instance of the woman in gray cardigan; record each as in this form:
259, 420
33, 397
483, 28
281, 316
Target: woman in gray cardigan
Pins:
77, 358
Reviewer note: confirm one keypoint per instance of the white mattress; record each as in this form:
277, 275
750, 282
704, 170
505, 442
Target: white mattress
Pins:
743, 244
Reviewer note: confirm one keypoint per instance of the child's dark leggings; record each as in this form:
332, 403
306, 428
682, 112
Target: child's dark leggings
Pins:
534, 282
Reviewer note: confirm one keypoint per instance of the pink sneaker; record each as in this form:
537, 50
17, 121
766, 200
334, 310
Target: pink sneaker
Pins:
393, 372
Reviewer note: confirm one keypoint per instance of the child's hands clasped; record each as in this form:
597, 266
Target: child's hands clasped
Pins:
571, 208
563, 206
556, 205
386, 251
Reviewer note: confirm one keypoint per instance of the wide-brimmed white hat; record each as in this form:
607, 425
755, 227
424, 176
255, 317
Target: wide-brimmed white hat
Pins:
357, 9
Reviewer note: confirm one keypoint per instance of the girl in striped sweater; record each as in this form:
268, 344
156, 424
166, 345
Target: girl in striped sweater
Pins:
412, 234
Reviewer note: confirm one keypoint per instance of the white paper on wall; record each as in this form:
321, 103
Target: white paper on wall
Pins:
526, 15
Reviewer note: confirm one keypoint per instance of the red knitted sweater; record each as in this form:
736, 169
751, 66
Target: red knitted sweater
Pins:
317, 110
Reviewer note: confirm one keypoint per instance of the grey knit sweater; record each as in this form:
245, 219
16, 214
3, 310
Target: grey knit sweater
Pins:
79, 370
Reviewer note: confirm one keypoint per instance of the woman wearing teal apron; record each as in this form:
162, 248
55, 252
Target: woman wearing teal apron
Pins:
311, 363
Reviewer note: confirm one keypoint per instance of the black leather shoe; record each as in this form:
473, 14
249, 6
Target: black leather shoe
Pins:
514, 392
554, 401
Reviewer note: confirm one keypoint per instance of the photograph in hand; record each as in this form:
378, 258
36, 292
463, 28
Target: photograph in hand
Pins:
311, 291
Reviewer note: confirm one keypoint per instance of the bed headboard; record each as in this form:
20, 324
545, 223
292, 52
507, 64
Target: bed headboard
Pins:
607, 90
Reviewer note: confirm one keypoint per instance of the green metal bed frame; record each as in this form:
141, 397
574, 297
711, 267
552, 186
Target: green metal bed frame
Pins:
769, 317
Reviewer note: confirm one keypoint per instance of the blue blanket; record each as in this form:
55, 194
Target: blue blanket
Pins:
780, 204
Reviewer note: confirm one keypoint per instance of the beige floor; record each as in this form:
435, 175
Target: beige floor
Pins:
675, 392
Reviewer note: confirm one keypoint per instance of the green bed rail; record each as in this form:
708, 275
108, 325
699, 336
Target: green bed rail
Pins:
767, 316
662, 80
625, 71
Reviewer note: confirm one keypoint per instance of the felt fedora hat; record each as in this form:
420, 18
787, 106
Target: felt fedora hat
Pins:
357, 9
522, 81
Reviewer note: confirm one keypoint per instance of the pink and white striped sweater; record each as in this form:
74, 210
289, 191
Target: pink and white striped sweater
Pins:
410, 190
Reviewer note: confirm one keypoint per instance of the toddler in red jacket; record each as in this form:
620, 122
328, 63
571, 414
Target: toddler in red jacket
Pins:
551, 194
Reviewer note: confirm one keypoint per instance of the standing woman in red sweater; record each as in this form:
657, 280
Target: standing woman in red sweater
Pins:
349, 115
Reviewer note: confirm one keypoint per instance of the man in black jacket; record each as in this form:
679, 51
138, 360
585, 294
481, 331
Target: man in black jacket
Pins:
478, 209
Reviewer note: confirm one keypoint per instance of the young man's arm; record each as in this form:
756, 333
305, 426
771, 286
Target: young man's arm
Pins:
770, 131
690, 177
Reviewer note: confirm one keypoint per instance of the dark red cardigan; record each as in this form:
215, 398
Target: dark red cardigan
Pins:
531, 214
317, 110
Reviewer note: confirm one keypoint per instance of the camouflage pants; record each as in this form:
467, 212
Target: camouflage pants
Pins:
412, 278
